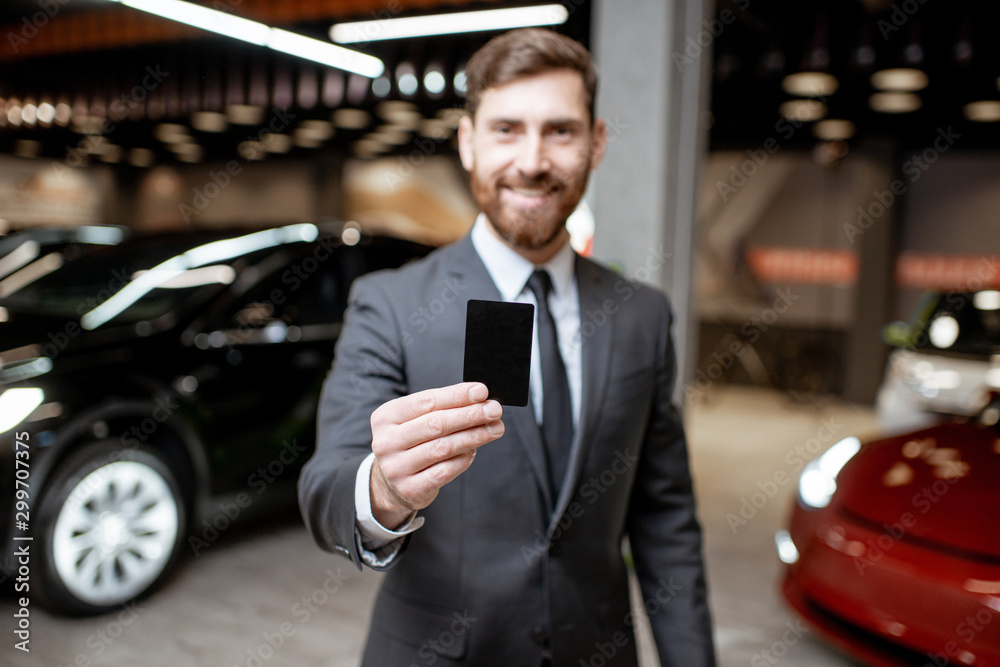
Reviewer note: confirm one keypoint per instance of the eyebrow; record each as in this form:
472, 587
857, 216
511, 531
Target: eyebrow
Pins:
569, 120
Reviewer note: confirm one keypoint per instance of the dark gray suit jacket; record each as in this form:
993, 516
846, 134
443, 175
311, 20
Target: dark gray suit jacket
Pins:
502, 573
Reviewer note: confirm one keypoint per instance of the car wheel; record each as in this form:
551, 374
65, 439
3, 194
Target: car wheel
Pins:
111, 521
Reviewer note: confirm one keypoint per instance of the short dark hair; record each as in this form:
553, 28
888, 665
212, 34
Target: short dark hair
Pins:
526, 52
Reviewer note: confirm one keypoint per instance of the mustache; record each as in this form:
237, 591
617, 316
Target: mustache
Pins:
547, 182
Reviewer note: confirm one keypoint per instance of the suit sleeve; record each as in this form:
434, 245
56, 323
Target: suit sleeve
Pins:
367, 371
664, 533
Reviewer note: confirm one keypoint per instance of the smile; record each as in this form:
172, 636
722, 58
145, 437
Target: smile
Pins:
529, 197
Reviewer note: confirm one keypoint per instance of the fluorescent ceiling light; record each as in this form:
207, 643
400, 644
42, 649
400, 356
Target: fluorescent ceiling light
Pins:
803, 110
904, 79
983, 111
448, 24
833, 129
810, 84
894, 102
257, 33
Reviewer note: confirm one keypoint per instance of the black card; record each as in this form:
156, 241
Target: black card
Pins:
498, 348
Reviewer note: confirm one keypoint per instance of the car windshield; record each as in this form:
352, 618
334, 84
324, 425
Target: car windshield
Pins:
78, 282
964, 323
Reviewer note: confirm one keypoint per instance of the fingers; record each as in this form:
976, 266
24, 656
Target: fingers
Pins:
406, 408
418, 490
425, 440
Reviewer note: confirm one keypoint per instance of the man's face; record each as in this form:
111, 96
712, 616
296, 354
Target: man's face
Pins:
529, 151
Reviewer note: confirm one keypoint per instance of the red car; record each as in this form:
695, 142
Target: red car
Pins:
893, 550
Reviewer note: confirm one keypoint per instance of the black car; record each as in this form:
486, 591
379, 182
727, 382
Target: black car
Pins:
155, 388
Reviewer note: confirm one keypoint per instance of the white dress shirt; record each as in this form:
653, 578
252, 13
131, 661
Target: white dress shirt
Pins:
509, 272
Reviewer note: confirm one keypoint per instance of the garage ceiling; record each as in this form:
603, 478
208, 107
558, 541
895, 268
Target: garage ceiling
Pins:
121, 75
125, 87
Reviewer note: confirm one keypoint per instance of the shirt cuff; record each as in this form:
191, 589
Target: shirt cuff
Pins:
376, 540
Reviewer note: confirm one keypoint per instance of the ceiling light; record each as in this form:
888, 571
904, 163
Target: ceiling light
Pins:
244, 114
369, 146
434, 82
305, 140
245, 30
352, 119
29, 114
188, 152
435, 128
46, 113
803, 110
209, 121
408, 84
317, 130
833, 129
983, 111
902, 79
14, 114
171, 133
810, 84
894, 102
112, 153
277, 143
251, 150
403, 114
381, 86
64, 113
460, 81
390, 135
448, 24
141, 157
452, 116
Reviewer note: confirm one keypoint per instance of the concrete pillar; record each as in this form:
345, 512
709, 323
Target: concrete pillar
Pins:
653, 90
877, 250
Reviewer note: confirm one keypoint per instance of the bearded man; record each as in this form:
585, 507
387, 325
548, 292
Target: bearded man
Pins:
501, 529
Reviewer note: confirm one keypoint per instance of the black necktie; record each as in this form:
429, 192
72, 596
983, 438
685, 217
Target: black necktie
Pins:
557, 414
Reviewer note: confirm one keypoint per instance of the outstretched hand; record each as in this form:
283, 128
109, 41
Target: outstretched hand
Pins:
424, 441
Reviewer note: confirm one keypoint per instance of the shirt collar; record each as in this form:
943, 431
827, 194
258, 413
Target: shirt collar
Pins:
510, 271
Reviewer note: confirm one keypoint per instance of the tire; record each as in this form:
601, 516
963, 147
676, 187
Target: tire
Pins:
111, 522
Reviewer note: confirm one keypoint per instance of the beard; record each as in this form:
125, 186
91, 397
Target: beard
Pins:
536, 227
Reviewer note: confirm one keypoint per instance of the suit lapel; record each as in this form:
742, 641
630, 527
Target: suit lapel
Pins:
465, 265
596, 360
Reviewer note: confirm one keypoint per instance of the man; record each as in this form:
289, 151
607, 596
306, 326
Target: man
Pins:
502, 538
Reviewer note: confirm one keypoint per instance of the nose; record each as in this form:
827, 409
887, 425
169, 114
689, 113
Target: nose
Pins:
532, 159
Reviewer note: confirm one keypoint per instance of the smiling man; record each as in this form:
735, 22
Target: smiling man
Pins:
501, 529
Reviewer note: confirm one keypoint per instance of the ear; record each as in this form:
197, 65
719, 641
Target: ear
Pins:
465, 152
598, 143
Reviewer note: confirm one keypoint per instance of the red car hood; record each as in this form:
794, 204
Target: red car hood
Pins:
939, 486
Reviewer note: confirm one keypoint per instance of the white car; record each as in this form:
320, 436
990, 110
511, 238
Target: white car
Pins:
947, 358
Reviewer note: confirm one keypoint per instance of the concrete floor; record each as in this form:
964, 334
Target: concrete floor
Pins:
246, 600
